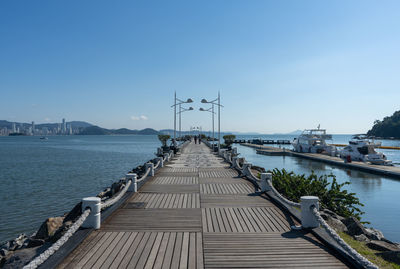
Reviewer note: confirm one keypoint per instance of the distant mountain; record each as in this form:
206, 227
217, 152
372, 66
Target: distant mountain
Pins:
387, 128
96, 130
297, 132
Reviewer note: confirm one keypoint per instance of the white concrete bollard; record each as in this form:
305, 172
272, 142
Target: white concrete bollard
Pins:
151, 166
133, 186
234, 151
308, 219
161, 162
234, 162
264, 181
166, 157
94, 218
246, 167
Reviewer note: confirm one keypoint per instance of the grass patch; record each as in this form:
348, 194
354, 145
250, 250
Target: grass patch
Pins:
368, 253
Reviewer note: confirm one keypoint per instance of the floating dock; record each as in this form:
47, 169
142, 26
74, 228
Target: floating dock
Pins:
197, 213
389, 171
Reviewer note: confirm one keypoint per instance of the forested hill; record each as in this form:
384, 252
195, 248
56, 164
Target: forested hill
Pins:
387, 128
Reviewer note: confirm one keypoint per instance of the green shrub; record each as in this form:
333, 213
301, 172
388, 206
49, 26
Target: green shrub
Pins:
164, 139
229, 139
331, 195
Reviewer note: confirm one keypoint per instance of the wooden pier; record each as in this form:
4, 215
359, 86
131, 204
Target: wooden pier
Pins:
389, 171
197, 213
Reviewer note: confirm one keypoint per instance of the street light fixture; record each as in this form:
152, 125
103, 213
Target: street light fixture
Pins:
216, 102
181, 110
211, 110
189, 100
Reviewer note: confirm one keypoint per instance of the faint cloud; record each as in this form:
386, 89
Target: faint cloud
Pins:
47, 119
141, 117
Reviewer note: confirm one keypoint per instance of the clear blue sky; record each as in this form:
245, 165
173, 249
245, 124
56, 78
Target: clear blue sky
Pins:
280, 65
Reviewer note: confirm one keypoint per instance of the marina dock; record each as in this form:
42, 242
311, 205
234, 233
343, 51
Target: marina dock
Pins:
196, 212
389, 171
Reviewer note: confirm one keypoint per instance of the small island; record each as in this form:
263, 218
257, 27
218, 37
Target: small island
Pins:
388, 128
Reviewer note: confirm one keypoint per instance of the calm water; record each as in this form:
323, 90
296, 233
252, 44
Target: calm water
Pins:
40, 179
44, 178
378, 194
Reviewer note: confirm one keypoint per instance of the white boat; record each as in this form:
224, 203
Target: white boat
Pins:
314, 141
362, 148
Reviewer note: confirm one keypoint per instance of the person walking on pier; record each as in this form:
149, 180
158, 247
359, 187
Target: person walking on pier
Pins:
199, 139
195, 139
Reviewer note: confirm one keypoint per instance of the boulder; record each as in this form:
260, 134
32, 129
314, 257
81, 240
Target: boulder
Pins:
49, 227
61, 231
115, 187
17, 242
382, 246
390, 256
361, 238
374, 234
354, 227
32, 242
74, 213
333, 220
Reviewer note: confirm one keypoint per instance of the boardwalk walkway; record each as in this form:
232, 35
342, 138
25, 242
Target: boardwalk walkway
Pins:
196, 213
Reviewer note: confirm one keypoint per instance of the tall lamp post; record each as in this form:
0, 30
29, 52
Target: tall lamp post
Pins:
216, 102
211, 110
177, 102
181, 110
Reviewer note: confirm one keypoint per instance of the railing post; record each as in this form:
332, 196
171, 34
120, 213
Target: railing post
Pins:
246, 167
234, 162
160, 159
234, 151
308, 219
151, 166
133, 186
93, 220
264, 181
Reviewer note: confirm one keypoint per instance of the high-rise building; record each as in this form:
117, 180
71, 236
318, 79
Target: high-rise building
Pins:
14, 127
64, 126
33, 127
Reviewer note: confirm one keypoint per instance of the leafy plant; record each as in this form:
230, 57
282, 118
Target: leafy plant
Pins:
331, 195
164, 138
229, 139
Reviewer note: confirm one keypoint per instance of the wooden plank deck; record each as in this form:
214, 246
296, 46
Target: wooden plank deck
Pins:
197, 213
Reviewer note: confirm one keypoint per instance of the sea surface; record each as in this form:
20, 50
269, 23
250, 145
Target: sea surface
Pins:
45, 178
379, 194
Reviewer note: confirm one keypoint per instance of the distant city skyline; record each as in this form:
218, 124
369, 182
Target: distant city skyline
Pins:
280, 66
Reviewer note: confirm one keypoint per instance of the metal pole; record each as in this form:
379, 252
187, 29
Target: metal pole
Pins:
175, 116
180, 119
219, 122
213, 136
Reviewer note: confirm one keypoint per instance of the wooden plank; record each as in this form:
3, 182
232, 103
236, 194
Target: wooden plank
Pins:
162, 251
113, 262
133, 249
170, 251
154, 251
